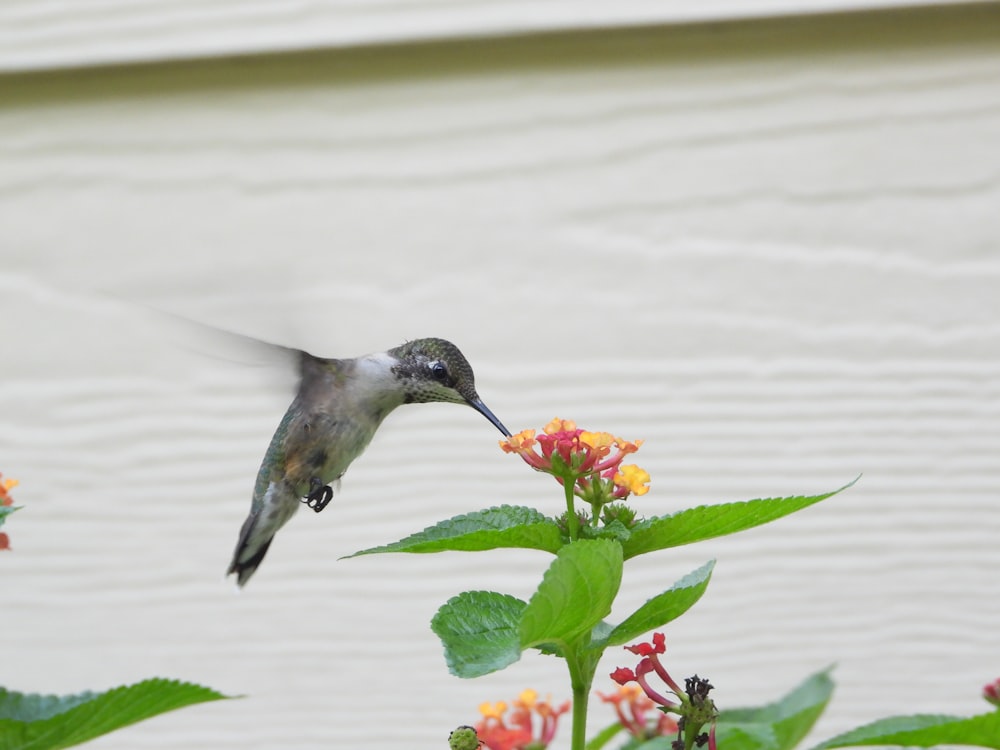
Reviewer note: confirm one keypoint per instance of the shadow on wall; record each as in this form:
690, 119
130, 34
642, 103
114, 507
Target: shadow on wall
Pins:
794, 37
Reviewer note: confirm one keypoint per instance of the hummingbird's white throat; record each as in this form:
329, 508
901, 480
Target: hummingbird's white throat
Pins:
373, 374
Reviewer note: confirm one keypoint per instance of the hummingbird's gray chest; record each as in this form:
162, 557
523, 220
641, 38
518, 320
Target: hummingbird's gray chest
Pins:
329, 443
333, 418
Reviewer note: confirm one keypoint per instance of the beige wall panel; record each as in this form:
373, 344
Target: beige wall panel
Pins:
770, 250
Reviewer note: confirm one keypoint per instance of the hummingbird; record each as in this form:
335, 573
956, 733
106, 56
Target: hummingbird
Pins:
339, 405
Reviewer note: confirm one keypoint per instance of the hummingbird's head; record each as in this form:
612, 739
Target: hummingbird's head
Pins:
435, 370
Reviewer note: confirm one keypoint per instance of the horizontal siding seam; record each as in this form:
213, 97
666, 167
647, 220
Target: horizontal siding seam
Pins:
110, 45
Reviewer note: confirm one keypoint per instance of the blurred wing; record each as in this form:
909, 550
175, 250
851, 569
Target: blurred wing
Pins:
278, 363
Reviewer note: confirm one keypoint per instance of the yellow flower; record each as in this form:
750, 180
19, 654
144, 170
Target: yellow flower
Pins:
527, 699
598, 439
633, 479
493, 710
560, 425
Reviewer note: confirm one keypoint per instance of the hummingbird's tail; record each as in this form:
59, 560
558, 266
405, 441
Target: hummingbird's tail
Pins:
279, 504
248, 555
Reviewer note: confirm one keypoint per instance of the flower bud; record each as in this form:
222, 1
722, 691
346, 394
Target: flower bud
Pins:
463, 738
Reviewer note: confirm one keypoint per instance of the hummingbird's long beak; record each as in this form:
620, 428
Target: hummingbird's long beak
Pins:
479, 406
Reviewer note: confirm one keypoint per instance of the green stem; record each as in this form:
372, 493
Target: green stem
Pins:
581, 678
572, 521
579, 738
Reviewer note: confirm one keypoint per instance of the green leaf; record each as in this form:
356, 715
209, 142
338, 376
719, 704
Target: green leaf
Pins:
503, 526
657, 743
747, 736
603, 737
780, 725
50, 722
575, 593
6, 510
661, 609
479, 631
615, 530
708, 521
924, 730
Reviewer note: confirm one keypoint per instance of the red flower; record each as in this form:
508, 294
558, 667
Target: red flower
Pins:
652, 662
991, 693
518, 731
623, 675
693, 704
642, 669
658, 646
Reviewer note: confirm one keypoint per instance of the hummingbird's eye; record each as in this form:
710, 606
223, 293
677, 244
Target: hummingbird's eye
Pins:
439, 371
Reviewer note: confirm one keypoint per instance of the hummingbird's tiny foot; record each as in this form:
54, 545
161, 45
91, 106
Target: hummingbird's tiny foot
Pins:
319, 495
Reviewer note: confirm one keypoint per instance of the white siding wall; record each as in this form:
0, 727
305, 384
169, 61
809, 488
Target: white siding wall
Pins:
769, 249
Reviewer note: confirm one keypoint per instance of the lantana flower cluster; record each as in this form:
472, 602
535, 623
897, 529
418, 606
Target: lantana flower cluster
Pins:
691, 704
6, 500
588, 462
530, 725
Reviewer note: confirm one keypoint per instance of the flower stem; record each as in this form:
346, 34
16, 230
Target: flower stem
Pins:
579, 738
581, 675
572, 521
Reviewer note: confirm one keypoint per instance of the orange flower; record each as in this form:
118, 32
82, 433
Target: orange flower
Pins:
523, 444
5, 486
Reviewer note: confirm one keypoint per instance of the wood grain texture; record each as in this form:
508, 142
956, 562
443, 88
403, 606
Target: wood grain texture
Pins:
81, 33
770, 250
